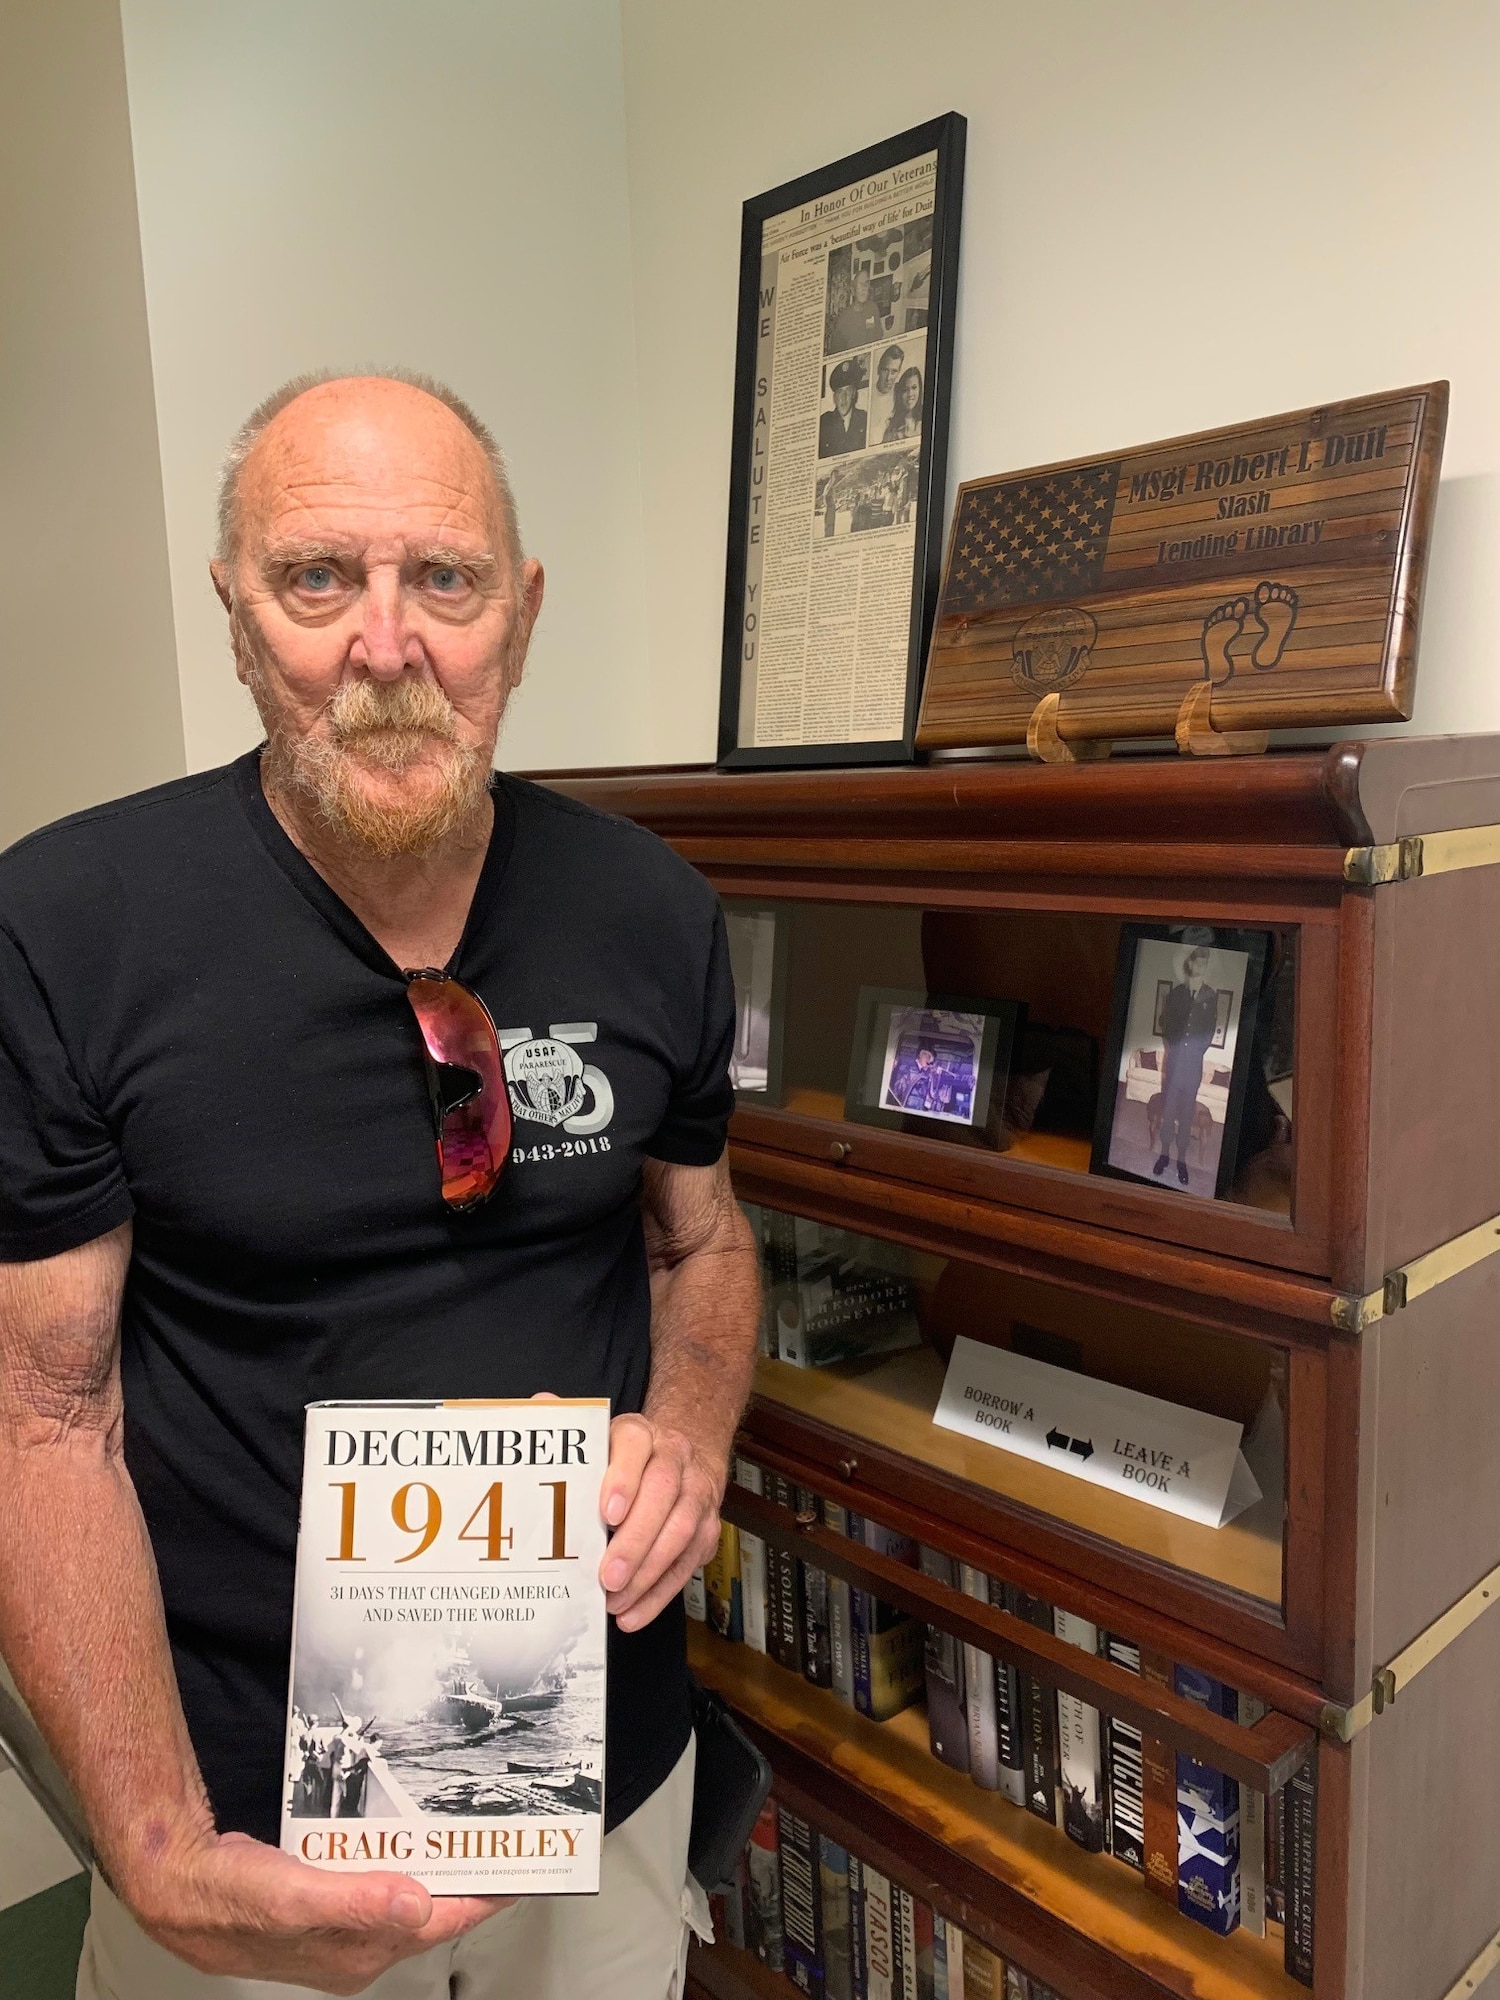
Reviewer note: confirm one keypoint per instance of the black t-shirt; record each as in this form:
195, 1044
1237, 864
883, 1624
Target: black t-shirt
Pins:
197, 1035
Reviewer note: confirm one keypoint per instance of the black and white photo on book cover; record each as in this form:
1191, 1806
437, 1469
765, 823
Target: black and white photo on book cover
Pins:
446, 1711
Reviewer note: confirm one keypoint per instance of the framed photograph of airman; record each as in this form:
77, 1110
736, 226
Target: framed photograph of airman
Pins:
839, 456
1211, 587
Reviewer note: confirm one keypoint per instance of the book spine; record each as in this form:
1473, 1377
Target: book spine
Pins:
721, 1584
941, 1986
984, 1971
859, 1977
840, 1611
947, 1723
904, 1933
957, 1988
979, 1693
783, 1300
812, 1605
1122, 1769
833, 1872
801, 1905
888, 1643
784, 1639
924, 1929
1208, 1819
1008, 1710
1252, 1837
752, 1563
1079, 1762
1039, 1733
1017, 1985
763, 1916
1159, 1794
1300, 1861
880, 1944
1276, 1857
695, 1597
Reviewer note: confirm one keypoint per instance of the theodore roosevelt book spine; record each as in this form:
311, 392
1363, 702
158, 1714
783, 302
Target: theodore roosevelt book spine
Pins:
446, 1711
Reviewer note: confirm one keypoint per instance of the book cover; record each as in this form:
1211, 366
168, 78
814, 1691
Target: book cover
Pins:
784, 1631
943, 1663
1039, 1726
735, 1898
880, 1943
763, 1930
1079, 1764
1208, 1819
1301, 1866
947, 1959
1158, 1793
1252, 1837
448, 1612
752, 1563
888, 1643
979, 1693
801, 1904
858, 1956
833, 1874
721, 1585
1008, 1750
1122, 1769
695, 1597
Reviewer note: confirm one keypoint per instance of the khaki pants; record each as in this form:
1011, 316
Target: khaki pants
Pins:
627, 1943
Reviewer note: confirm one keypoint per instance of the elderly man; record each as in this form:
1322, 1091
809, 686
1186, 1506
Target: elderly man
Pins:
219, 1202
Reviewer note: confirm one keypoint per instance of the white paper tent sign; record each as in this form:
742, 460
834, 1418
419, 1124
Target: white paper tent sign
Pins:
1169, 1456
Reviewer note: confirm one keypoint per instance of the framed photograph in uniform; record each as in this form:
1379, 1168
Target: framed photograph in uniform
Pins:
845, 344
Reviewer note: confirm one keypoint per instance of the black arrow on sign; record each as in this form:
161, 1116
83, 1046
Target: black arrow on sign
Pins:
1083, 1446
1058, 1440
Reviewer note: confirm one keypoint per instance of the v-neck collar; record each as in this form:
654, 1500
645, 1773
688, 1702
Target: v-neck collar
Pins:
309, 884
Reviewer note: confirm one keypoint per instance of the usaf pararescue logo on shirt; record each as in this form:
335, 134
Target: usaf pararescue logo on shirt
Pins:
551, 1084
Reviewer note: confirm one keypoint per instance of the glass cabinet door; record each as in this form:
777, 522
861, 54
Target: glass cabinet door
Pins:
857, 1336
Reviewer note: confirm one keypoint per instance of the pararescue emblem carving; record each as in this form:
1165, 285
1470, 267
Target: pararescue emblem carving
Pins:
551, 1084
1052, 649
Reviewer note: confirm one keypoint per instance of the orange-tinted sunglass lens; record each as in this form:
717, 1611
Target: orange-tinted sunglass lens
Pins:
466, 1081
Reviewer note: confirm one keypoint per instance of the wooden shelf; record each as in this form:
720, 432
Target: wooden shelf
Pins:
891, 1405
1096, 1897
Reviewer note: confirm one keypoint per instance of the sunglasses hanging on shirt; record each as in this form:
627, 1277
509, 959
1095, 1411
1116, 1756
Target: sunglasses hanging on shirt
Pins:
466, 1083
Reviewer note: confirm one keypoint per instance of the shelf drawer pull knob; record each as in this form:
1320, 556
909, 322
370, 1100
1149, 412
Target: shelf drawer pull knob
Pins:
807, 1518
840, 1151
848, 1466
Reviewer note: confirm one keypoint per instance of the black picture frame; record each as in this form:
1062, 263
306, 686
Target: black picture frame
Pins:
754, 928
873, 1064
945, 137
1117, 1151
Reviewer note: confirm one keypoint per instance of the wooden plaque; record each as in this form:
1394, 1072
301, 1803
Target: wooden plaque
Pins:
1269, 575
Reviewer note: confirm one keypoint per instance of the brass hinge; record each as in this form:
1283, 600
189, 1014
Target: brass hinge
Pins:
1344, 1723
1351, 1314
1478, 1970
1422, 854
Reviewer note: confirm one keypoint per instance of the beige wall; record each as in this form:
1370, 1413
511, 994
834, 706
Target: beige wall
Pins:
357, 182
88, 685
1178, 213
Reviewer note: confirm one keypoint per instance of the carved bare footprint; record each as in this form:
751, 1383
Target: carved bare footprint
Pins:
1221, 628
1276, 607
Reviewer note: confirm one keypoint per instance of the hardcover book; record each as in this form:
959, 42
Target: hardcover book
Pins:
1122, 1766
947, 1718
723, 1593
979, 1694
763, 1904
1208, 1819
880, 1941
1008, 1716
840, 1626
1078, 1747
1158, 1793
1039, 1728
858, 1953
801, 1904
1252, 1837
752, 1563
446, 1708
1301, 1866
833, 1870
984, 1970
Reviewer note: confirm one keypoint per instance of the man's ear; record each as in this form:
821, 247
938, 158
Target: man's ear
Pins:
219, 571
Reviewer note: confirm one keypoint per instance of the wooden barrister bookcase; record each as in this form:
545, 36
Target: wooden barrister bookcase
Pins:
1348, 1274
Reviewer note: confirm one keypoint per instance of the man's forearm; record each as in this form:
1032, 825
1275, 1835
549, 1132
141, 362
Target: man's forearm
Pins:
81, 1623
705, 1311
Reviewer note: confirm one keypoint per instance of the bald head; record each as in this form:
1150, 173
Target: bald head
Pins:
401, 399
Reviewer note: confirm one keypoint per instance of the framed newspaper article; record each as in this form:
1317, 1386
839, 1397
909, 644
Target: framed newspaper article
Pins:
847, 283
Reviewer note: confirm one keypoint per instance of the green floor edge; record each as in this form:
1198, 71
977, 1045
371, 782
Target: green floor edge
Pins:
40, 1940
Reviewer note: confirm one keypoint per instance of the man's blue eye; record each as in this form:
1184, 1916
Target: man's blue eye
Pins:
317, 576
445, 579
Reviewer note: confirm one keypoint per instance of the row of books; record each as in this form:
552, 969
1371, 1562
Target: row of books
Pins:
840, 1930
1225, 1856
